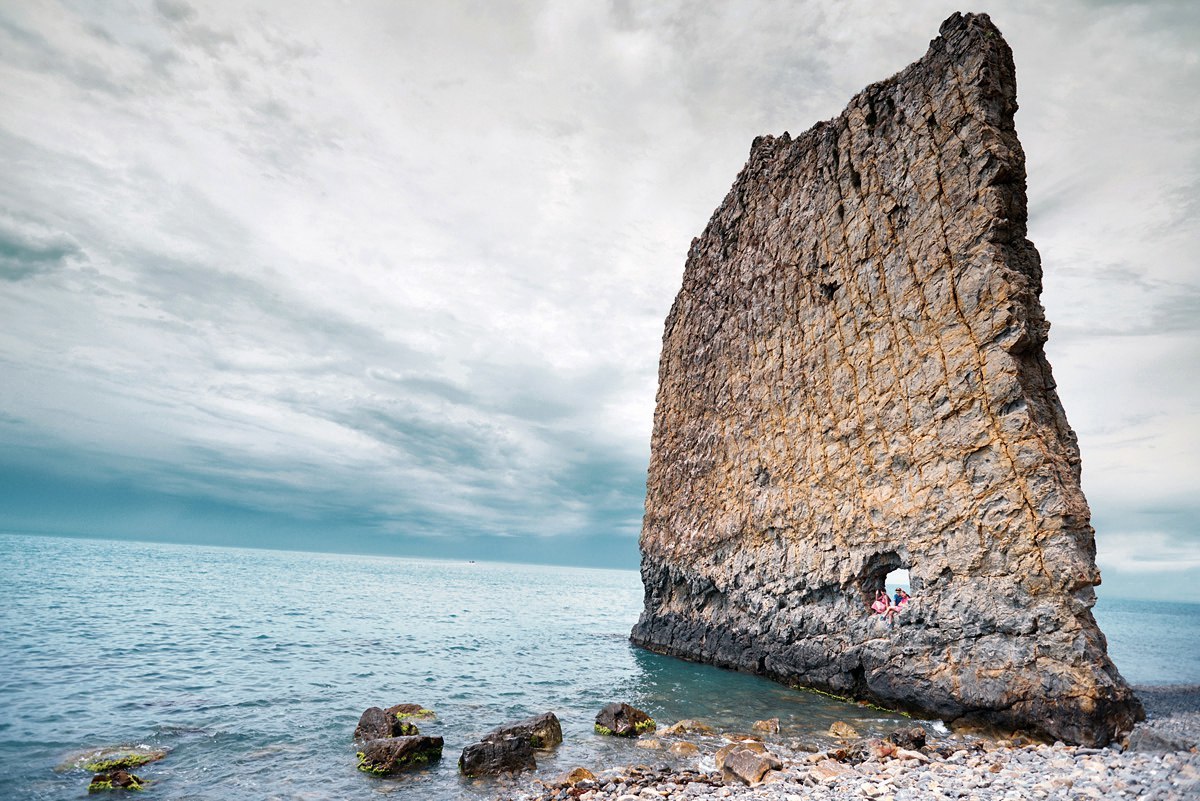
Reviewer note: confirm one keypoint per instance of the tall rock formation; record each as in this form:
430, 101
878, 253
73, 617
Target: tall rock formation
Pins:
853, 381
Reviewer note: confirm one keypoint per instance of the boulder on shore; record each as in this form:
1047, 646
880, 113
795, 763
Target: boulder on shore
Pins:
747, 761
911, 738
543, 731
388, 755
622, 720
504, 754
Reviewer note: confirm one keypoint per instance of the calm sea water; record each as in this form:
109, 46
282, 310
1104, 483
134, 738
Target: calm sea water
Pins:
252, 667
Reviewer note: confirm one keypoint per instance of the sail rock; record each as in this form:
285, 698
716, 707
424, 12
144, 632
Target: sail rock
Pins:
852, 381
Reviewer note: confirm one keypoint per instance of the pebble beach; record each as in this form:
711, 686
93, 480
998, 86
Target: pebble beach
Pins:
1159, 760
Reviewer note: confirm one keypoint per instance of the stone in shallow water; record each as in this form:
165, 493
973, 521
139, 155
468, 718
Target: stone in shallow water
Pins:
388, 755
842, 730
684, 749
543, 731
622, 720
373, 724
376, 723
853, 381
496, 756
686, 726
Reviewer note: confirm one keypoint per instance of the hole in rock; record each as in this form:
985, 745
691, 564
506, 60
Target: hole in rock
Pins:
897, 578
885, 571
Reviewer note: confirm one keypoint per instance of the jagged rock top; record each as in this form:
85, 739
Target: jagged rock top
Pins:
852, 380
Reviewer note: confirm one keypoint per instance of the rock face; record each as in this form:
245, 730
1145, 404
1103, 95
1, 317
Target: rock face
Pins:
852, 381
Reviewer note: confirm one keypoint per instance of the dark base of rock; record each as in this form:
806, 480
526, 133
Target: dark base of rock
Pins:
385, 756
504, 754
623, 720
864, 671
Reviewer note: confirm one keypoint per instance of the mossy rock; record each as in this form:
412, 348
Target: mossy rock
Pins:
116, 780
110, 758
405, 711
623, 720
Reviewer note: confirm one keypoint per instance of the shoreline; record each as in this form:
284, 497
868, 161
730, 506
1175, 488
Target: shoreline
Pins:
1160, 759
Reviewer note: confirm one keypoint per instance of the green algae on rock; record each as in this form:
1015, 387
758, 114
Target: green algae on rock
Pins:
622, 720
403, 711
116, 780
110, 758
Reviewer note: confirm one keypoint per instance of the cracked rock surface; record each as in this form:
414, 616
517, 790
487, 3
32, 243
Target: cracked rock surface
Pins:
853, 381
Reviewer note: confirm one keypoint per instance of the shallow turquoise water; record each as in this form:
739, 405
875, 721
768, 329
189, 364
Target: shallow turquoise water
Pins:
253, 666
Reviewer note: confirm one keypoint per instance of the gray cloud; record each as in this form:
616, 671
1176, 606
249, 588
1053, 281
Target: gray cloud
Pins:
406, 266
28, 250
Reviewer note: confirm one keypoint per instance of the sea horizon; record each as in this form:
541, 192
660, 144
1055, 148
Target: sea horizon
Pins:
1101, 593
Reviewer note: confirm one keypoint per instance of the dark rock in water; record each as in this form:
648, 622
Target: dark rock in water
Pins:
388, 755
377, 723
623, 720
543, 731
500, 755
402, 711
853, 381
911, 738
374, 724
116, 780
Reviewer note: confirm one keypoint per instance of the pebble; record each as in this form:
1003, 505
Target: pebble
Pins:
960, 767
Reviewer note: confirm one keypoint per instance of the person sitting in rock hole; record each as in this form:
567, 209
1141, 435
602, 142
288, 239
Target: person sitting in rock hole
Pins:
882, 603
884, 607
901, 600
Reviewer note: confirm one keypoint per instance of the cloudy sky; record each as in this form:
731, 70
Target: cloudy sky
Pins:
392, 276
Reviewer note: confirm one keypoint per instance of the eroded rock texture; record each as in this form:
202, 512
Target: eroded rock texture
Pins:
852, 380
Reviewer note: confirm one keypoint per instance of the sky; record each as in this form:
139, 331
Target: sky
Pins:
391, 277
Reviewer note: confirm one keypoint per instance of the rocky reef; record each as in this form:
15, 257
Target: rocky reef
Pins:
853, 381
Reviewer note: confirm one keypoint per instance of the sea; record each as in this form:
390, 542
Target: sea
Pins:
251, 667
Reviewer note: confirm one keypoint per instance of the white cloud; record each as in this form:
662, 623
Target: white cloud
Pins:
1148, 552
415, 258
